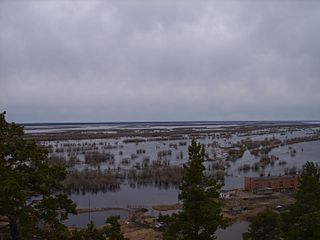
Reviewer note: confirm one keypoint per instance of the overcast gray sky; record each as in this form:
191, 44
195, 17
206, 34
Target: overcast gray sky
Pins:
159, 60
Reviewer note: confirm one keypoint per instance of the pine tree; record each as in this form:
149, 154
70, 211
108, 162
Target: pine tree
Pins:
30, 190
111, 231
201, 214
265, 226
302, 221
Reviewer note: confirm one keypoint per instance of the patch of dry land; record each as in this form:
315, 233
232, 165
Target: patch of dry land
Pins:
245, 205
242, 206
140, 233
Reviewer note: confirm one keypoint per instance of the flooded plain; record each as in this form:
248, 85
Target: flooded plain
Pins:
141, 164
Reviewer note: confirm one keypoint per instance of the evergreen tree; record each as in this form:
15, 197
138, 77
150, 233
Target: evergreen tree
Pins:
112, 230
201, 214
30, 189
89, 233
302, 221
265, 226
109, 232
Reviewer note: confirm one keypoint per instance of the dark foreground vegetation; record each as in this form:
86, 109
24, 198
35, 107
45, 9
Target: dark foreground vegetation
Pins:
31, 193
301, 221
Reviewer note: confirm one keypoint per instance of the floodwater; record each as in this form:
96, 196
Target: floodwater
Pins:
98, 218
146, 196
127, 197
233, 232
306, 151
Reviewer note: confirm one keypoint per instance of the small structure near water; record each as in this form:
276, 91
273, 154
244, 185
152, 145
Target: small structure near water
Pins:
227, 193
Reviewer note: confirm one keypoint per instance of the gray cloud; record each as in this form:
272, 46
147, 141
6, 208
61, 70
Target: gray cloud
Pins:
159, 60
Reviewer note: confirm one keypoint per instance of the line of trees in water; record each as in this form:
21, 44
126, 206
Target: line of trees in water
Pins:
94, 154
98, 180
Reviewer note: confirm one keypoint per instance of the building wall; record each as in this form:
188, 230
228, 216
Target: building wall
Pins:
276, 183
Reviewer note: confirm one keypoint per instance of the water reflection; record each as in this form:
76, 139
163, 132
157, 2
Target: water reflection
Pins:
140, 197
98, 218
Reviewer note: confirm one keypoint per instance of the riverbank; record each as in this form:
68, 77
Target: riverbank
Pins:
239, 208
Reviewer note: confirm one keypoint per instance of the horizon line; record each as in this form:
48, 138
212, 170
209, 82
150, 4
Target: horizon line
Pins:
161, 122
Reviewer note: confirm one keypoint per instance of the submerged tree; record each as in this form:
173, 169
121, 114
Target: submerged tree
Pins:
302, 221
201, 214
30, 190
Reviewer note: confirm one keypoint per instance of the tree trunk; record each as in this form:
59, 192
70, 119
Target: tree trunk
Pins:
13, 228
